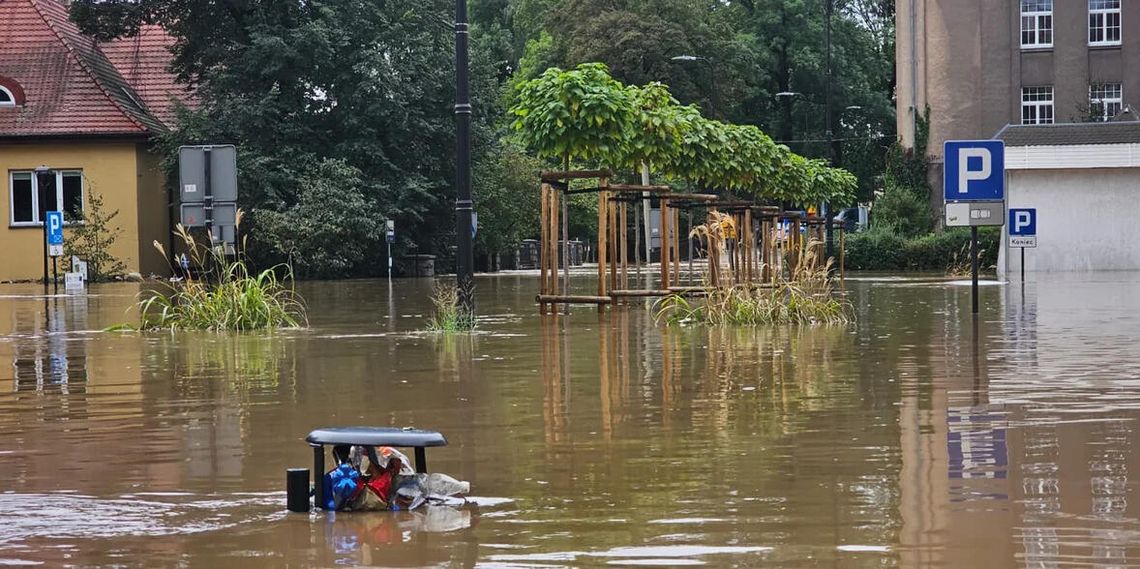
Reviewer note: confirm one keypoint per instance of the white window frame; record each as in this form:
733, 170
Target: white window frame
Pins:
11, 102
1036, 17
1102, 26
1110, 94
36, 195
1038, 104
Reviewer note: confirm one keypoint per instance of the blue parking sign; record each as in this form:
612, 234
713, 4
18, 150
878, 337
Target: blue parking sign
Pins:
974, 170
1023, 222
55, 227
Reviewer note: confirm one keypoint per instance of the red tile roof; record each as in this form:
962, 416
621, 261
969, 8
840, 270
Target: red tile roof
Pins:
74, 86
144, 62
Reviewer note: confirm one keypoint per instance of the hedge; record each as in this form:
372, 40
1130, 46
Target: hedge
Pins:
883, 250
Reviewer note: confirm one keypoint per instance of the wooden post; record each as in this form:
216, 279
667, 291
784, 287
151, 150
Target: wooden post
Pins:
713, 254
765, 245
603, 198
689, 242
554, 243
664, 243
842, 254
566, 244
748, 245
676, 245
543, 246
611, 210
798, 246
624, 235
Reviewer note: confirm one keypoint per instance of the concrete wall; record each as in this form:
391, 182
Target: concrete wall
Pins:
116, 170
1084, 220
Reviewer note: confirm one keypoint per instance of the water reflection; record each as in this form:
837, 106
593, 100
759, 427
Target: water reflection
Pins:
919, 437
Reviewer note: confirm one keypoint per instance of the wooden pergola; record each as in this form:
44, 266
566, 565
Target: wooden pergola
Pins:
752, 255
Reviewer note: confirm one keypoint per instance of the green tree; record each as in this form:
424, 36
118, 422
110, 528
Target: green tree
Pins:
91, 236
506, 198
297, 86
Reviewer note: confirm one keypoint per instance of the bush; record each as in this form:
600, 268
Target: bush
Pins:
237, 300
92, 240
903, 212
884, 250
448, 317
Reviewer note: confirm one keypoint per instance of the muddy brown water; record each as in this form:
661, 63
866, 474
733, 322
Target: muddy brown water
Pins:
913, 438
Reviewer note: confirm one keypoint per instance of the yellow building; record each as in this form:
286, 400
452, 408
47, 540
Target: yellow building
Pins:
87, 111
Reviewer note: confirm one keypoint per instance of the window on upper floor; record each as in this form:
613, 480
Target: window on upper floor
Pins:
1105, 101
61, 190
1037, 105
1036, 23
7, 99
1104, 22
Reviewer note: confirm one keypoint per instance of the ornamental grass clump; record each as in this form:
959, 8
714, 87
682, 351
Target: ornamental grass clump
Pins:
807, 296
448, 316
225, 296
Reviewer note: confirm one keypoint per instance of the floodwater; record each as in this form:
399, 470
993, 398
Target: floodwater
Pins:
916, 437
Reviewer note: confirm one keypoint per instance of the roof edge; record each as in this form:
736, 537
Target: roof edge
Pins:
86, 68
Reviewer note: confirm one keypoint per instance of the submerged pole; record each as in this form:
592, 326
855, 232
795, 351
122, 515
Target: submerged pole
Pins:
464, 206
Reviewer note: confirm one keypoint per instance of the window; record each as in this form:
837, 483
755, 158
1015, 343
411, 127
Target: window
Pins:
60, 187
7, 99
1037, 23
1036, 105
1105, 101
1104, 22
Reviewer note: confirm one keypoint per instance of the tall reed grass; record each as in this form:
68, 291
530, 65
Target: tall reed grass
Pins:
228, 296
807, 296
448, 316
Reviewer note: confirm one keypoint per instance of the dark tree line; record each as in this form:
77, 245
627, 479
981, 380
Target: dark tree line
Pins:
342, 108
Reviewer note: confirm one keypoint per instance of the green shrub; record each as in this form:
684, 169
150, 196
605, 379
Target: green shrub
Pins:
903, 212
92, 239
448, 317
882, 250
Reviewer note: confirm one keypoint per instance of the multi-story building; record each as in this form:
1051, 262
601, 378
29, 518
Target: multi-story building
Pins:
982, 64
1039, 74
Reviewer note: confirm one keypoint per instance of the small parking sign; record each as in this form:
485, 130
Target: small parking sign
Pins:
1023, 227
55, 233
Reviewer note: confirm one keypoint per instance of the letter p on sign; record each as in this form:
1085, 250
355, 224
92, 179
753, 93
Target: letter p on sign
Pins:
966, 175
1023, 222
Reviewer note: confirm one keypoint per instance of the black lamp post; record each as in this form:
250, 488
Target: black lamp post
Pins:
464, 206
43, 174
829, 6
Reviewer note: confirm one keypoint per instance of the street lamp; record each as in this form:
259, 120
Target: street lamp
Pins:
712, 77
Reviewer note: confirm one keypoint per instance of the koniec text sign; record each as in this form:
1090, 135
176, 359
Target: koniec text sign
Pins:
1023, 228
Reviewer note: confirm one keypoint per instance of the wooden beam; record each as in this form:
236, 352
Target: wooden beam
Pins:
575, 175
572, 299
639, 188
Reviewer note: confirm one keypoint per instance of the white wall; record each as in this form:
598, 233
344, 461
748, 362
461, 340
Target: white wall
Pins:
1087, 220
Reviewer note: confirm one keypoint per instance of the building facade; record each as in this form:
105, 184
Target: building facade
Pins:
1056, 80
86, 112
979, 65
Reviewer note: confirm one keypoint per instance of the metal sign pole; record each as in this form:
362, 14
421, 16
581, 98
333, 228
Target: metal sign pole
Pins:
55, 275
1023, 265
44, 221
974, 266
